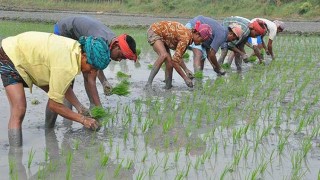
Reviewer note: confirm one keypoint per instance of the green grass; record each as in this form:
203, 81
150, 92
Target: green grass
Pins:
218, 9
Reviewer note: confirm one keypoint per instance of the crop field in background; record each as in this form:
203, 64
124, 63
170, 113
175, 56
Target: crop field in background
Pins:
262, 123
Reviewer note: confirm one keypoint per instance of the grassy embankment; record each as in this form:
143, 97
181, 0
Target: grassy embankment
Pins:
273, 9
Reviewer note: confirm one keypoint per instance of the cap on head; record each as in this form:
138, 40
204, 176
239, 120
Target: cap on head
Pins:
259, 28
125, 47
279, 24
236, 29
204, 30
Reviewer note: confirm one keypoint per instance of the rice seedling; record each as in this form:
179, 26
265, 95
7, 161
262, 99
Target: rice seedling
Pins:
12, 166
283, 140
122, 75
150, 66
98, 112
143, 160
104, 159
152, 169
198, 74
118, 152
121, 89
180, 175
176, 155
76, 144
306, 146
117, 170
165, 162
140, 175
31, 156
186, 55
99, 175
226, 66
46, 155
129, 164
226, 170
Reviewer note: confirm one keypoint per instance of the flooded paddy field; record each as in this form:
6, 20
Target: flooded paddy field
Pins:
262, 123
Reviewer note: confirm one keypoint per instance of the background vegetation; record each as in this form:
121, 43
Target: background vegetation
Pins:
285, 9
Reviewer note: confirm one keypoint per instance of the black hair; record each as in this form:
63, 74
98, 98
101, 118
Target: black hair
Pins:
132, 44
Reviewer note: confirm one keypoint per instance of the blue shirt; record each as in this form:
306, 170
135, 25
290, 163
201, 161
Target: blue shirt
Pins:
219, 33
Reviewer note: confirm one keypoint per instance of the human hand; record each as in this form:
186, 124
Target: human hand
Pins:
90, 123
107, 88
84, 111
188, 82
267, 52
244, 56
220, 71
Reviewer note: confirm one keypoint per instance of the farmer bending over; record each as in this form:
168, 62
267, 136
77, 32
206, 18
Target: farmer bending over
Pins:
272, 29
209, 48
50, 62
166, 35
250, 29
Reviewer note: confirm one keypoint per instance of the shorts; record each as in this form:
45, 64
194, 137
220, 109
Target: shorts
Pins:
255, 41
152, 36
203, 50
9, 74
56, 29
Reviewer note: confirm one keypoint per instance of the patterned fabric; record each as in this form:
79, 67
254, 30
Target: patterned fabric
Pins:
243, 22
9, 74
98, 53
175, 36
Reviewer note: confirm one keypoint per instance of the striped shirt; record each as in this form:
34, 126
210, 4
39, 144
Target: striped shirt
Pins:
243, 22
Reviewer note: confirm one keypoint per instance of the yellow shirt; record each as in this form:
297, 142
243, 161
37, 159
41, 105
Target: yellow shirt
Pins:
45, 59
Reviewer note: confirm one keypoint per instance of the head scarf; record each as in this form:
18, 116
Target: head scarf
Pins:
97, 51
279, 24
204, 29
236, 29
124, 47
258, 27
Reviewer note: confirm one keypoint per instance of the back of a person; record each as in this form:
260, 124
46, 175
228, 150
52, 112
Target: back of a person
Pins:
39, 53
271, 27
75, 27
172, 32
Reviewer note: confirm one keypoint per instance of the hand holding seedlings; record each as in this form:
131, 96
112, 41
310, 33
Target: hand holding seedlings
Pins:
89, 123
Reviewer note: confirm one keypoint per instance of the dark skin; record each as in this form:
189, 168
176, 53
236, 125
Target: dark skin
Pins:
211, 55
90, 77
17, 100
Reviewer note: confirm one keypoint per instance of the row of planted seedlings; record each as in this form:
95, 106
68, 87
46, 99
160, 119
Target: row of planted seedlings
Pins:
238, 126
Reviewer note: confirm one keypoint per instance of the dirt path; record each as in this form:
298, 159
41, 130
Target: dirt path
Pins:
111, 19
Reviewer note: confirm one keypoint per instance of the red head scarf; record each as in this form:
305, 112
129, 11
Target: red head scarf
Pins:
125, 49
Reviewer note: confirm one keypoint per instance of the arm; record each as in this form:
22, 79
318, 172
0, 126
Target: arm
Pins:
270, 48
91, 87
69, 114
211, 55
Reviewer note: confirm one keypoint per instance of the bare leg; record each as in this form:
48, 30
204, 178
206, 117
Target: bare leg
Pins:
238, 61
231, 57
17, 99
223, 55
169, 71
198, 62
163, 53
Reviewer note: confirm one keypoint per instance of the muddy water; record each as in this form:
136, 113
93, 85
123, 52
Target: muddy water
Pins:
192, 148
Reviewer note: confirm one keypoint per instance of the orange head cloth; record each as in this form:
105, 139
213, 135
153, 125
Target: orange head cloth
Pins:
258, 27
125, 49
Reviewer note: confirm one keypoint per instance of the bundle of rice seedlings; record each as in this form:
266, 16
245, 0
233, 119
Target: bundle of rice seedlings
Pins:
150, 66
198, 74
122, 75
121, 89
226, 66
185, 55
98, 112
138, 52
252, 59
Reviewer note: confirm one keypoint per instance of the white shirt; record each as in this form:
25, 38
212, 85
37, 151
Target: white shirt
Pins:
272, 27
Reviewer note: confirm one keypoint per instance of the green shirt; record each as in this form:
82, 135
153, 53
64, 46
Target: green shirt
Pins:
45, 59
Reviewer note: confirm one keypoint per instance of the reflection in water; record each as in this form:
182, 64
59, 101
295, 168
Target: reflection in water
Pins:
16, 168
80, 156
